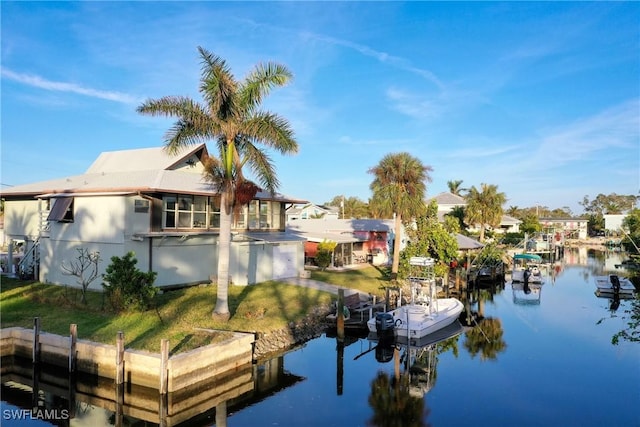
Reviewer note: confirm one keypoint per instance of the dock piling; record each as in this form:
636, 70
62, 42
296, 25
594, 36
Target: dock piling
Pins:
120, 358
73, 338
36, 341
340, 315
164, 360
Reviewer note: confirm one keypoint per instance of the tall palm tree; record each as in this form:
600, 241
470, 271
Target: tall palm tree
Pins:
484, 208
398, 187
231, 117
454, 187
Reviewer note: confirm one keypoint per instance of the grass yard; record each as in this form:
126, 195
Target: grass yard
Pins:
264, 307
370, 279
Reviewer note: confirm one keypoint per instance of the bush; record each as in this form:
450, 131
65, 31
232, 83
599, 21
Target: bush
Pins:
126, 287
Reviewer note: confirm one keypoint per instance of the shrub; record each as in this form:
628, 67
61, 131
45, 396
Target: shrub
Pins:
325, 251
126, 287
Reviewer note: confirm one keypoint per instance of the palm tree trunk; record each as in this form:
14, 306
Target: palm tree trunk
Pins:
396, 247
224, 250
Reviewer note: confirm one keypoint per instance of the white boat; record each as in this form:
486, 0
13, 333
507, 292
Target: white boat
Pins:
612, 284
418, 320
527, 262
425, 314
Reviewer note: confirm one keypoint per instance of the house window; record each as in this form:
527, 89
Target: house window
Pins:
62, 210
240, 218
184, 211
214, 212
169, 212
199, 212
185, 204
275, 215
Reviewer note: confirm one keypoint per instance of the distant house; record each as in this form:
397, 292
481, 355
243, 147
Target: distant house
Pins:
575, 228
156, 205
447, 202
359, 240
311, 211
613, 222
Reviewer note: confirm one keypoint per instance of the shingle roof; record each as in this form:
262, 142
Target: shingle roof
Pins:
446, 198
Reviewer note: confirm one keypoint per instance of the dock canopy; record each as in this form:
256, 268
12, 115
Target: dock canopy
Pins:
528, 257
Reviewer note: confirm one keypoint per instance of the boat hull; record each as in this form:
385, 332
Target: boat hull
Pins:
517, 275
604, 285
417, 320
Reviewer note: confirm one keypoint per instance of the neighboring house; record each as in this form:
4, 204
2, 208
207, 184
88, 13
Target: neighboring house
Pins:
613, 222
156, 205
575, 228
449, 201
311, 211
359, 240
446, 203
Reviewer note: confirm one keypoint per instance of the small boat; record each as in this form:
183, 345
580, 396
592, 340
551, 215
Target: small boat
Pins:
614, 284
417, 320
425, 314
527, 262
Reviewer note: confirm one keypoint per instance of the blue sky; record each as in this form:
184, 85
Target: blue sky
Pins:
540, 99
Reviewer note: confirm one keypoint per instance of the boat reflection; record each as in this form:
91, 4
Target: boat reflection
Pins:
526, 293
417, 356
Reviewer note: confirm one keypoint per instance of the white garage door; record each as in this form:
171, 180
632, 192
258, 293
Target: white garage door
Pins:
284, 261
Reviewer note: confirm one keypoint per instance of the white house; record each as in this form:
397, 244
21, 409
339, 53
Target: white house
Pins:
156, 205
613, 222
447, 202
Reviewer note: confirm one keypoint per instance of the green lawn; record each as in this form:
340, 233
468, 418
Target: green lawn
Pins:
263, 307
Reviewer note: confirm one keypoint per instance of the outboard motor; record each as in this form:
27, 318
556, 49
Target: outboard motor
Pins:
526, 275
384, 324
615, 282
385, 350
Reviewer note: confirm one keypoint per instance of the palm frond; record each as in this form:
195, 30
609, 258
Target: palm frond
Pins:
261, 165
218, 86
260, 82
272, 131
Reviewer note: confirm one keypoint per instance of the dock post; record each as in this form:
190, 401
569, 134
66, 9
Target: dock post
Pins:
164, 360
340, 367
73, 338
120, 358
36, 341
340, 315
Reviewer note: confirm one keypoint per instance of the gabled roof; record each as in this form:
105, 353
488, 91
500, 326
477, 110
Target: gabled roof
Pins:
156, 158
115, 172
447, 198
506, 220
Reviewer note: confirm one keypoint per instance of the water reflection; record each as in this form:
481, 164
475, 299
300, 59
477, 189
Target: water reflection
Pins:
91, 401
398, 399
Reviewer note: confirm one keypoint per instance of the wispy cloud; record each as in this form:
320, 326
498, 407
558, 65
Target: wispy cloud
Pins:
42, 83
481, 151
617, 127
384, 57
380, 56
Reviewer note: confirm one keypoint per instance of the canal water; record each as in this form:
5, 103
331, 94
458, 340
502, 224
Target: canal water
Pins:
543, 358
